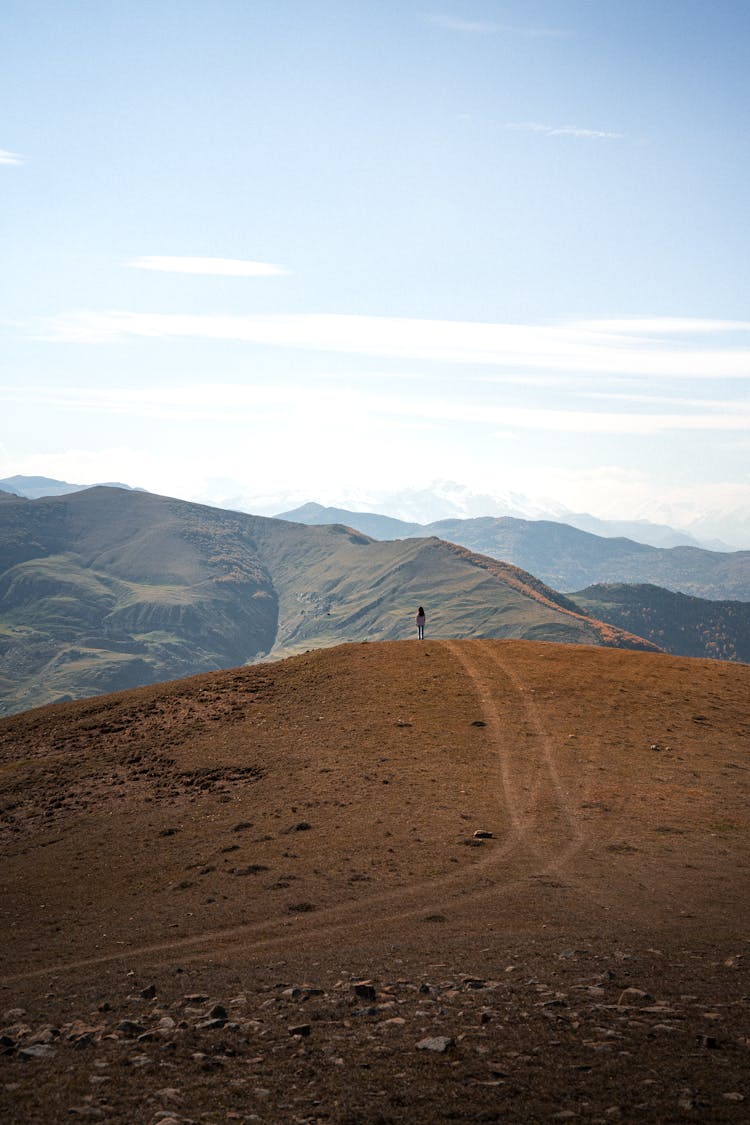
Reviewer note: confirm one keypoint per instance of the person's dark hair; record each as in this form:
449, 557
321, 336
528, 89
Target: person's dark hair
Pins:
420, 611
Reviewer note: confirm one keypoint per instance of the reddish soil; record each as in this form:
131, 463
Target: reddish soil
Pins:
264, 839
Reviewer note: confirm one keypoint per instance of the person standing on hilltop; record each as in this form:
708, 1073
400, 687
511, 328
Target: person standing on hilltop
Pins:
421, 621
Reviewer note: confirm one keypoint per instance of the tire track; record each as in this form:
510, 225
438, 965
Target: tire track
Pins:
520, 844
545, 845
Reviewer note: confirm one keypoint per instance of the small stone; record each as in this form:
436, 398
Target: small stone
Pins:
37, 1051
219, 1012
300, 1029
437, 1043
130, 1028
733, 1096
364, 990
170, 1093
483, 834
631, 996
149, 992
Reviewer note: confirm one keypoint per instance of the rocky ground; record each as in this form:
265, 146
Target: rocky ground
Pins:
475, 881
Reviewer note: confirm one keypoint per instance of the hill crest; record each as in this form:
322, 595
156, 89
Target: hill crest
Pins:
107, 588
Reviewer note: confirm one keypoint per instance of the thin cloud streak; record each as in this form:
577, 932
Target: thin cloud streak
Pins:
483, 27
223, 267
558, 348
7, 157
247, 403
662, 325
563, 130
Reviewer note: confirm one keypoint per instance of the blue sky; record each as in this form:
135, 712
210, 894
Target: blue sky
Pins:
332, 248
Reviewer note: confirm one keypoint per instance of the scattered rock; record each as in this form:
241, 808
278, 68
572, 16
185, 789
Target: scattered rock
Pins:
36, 1051
483, 834
632, 996
364, 990
149, 992
437, 1043
300, 1029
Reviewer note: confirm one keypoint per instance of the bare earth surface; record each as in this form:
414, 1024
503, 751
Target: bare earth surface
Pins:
258, 895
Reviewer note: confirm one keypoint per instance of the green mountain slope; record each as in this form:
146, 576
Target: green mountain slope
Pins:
566, 558
680, 624
107, 589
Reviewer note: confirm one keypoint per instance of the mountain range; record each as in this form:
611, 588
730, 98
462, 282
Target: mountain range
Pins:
443, 500
563, 556
107, 589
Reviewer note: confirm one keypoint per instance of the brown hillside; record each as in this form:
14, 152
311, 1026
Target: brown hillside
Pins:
266, 837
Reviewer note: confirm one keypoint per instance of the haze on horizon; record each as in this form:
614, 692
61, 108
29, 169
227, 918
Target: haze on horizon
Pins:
334, 250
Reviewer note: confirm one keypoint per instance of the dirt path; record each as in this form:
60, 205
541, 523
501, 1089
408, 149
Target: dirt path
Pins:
543, 835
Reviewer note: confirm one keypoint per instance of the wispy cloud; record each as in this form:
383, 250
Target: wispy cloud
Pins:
564, 131
664, 325
574, 349
223, 267
484, 27
11, 157
252, 403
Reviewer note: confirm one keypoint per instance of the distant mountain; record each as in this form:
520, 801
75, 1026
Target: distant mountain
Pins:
680, 624
372, 524
642, 531
439, 500
565, 557
33, 488
108, 589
